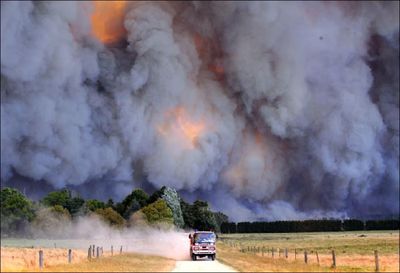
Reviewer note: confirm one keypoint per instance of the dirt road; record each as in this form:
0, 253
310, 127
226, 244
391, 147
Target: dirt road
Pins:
201, 266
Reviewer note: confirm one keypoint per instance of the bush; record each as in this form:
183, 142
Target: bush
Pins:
51, 222
138, 219
111, 217
158, 212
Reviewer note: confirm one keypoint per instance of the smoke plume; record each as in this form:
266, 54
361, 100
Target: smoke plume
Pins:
266, 109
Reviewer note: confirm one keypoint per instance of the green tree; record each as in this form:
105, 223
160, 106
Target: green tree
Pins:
188, 214
198, 216
61, 198
110, 204
93, 204
111, 217
156, 195
132, 203
219, 219
204, 218
171, 197
74, 205
64, 198
16, 212
158, 212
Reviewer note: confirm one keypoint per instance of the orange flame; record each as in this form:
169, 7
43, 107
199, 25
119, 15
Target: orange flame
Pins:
180, 124
108, 20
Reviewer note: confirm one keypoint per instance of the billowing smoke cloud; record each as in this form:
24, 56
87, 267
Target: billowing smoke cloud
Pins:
288, 108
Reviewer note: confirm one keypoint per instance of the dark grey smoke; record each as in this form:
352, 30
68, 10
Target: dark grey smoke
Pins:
266, 109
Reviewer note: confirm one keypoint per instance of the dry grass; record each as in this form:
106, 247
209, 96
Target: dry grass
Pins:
19, 259
246, 262
354, 253
129, 262
55, 260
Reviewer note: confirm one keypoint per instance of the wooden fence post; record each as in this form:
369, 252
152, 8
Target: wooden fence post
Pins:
41, 259
112, 251
333, 259
262, 251
305, 256
89, 254
376, 261
316, 252
295, 254
69, 256
93, 247
279, 252
97, 252
120, 250
286, 253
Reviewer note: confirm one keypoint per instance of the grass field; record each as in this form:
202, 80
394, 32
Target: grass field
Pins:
354, 251
55, 260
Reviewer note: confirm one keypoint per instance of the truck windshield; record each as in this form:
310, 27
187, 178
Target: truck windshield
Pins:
204, 237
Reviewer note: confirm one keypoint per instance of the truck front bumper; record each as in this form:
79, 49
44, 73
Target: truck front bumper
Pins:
203, 252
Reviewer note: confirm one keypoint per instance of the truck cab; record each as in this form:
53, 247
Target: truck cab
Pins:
202, 244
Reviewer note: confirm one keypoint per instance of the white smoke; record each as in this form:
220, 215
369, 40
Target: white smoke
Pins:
304, 117
83, 232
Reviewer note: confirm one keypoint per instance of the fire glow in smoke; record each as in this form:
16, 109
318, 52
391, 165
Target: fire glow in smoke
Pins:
179, 124
266, 109
108, 20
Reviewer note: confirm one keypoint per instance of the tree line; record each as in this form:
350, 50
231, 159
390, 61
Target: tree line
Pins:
309, 226
163, 208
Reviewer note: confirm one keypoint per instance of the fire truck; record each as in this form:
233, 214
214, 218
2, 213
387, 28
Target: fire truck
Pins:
202, 244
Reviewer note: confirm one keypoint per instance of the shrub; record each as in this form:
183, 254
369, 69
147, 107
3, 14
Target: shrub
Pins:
111, 217
158, 212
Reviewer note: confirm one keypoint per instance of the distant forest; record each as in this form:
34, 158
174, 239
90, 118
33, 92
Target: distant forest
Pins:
309, 226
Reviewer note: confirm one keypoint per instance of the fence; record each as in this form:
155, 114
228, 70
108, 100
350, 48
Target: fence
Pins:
286, 254
94, 252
